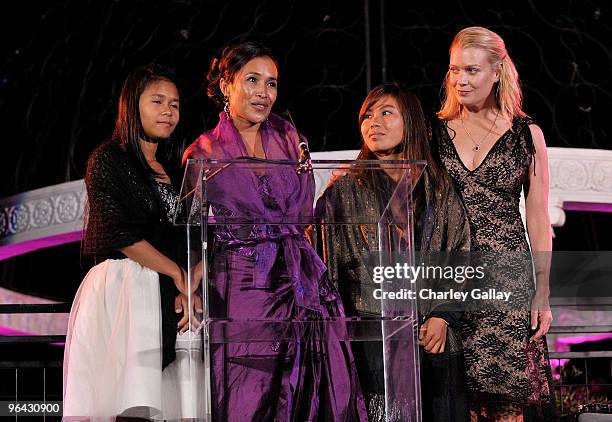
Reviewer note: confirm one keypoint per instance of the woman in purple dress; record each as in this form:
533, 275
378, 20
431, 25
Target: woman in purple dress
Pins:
268, 271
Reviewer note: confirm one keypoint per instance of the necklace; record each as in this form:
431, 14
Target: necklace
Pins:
476, 144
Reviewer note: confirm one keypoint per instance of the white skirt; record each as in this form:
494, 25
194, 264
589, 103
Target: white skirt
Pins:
113, 354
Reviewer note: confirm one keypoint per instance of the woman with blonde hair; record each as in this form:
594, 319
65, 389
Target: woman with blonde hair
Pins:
490, 148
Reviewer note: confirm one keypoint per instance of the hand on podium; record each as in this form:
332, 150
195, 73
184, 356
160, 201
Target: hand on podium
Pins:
189, 320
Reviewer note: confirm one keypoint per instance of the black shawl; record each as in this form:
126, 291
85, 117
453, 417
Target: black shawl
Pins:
124, 208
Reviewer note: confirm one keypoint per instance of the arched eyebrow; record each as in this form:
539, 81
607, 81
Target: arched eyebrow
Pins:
386, 105
157, 94
454, 66
376, 106
271, 78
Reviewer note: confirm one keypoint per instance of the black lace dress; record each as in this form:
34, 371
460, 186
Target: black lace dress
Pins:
506, 373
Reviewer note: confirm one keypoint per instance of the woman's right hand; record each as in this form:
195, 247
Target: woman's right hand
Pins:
180, 279
196, 276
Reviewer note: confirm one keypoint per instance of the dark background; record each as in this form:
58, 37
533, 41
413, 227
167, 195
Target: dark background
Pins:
63, 63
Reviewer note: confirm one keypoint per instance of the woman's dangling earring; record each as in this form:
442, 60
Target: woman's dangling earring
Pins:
497, 99
226, 107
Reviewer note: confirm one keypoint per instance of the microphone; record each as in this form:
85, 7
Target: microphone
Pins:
304, 164
304, 151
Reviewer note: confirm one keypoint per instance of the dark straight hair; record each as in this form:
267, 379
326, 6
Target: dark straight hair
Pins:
128, 126
232, 58
416, 143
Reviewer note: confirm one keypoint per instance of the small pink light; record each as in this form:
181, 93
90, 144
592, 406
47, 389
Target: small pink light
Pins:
15, 249
563, 343
8, 331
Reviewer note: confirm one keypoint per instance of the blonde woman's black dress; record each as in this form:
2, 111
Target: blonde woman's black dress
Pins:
506, 373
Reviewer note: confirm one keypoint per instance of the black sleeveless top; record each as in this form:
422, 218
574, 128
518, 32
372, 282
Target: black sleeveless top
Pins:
492, 191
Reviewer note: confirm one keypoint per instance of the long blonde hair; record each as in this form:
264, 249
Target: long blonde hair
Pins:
508, 93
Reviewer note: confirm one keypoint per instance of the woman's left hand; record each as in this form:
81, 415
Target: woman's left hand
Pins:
181, 304
541, 316
432, 335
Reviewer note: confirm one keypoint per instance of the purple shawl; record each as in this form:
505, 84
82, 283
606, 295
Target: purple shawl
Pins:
281, 195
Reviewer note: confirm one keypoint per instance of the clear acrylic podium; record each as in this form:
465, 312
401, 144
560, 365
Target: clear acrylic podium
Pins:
218, 225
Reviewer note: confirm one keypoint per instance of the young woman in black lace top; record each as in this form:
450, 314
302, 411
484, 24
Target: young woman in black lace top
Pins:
393, 127
113, 356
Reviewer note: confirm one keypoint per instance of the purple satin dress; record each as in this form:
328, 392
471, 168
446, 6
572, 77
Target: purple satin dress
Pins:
272, 272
